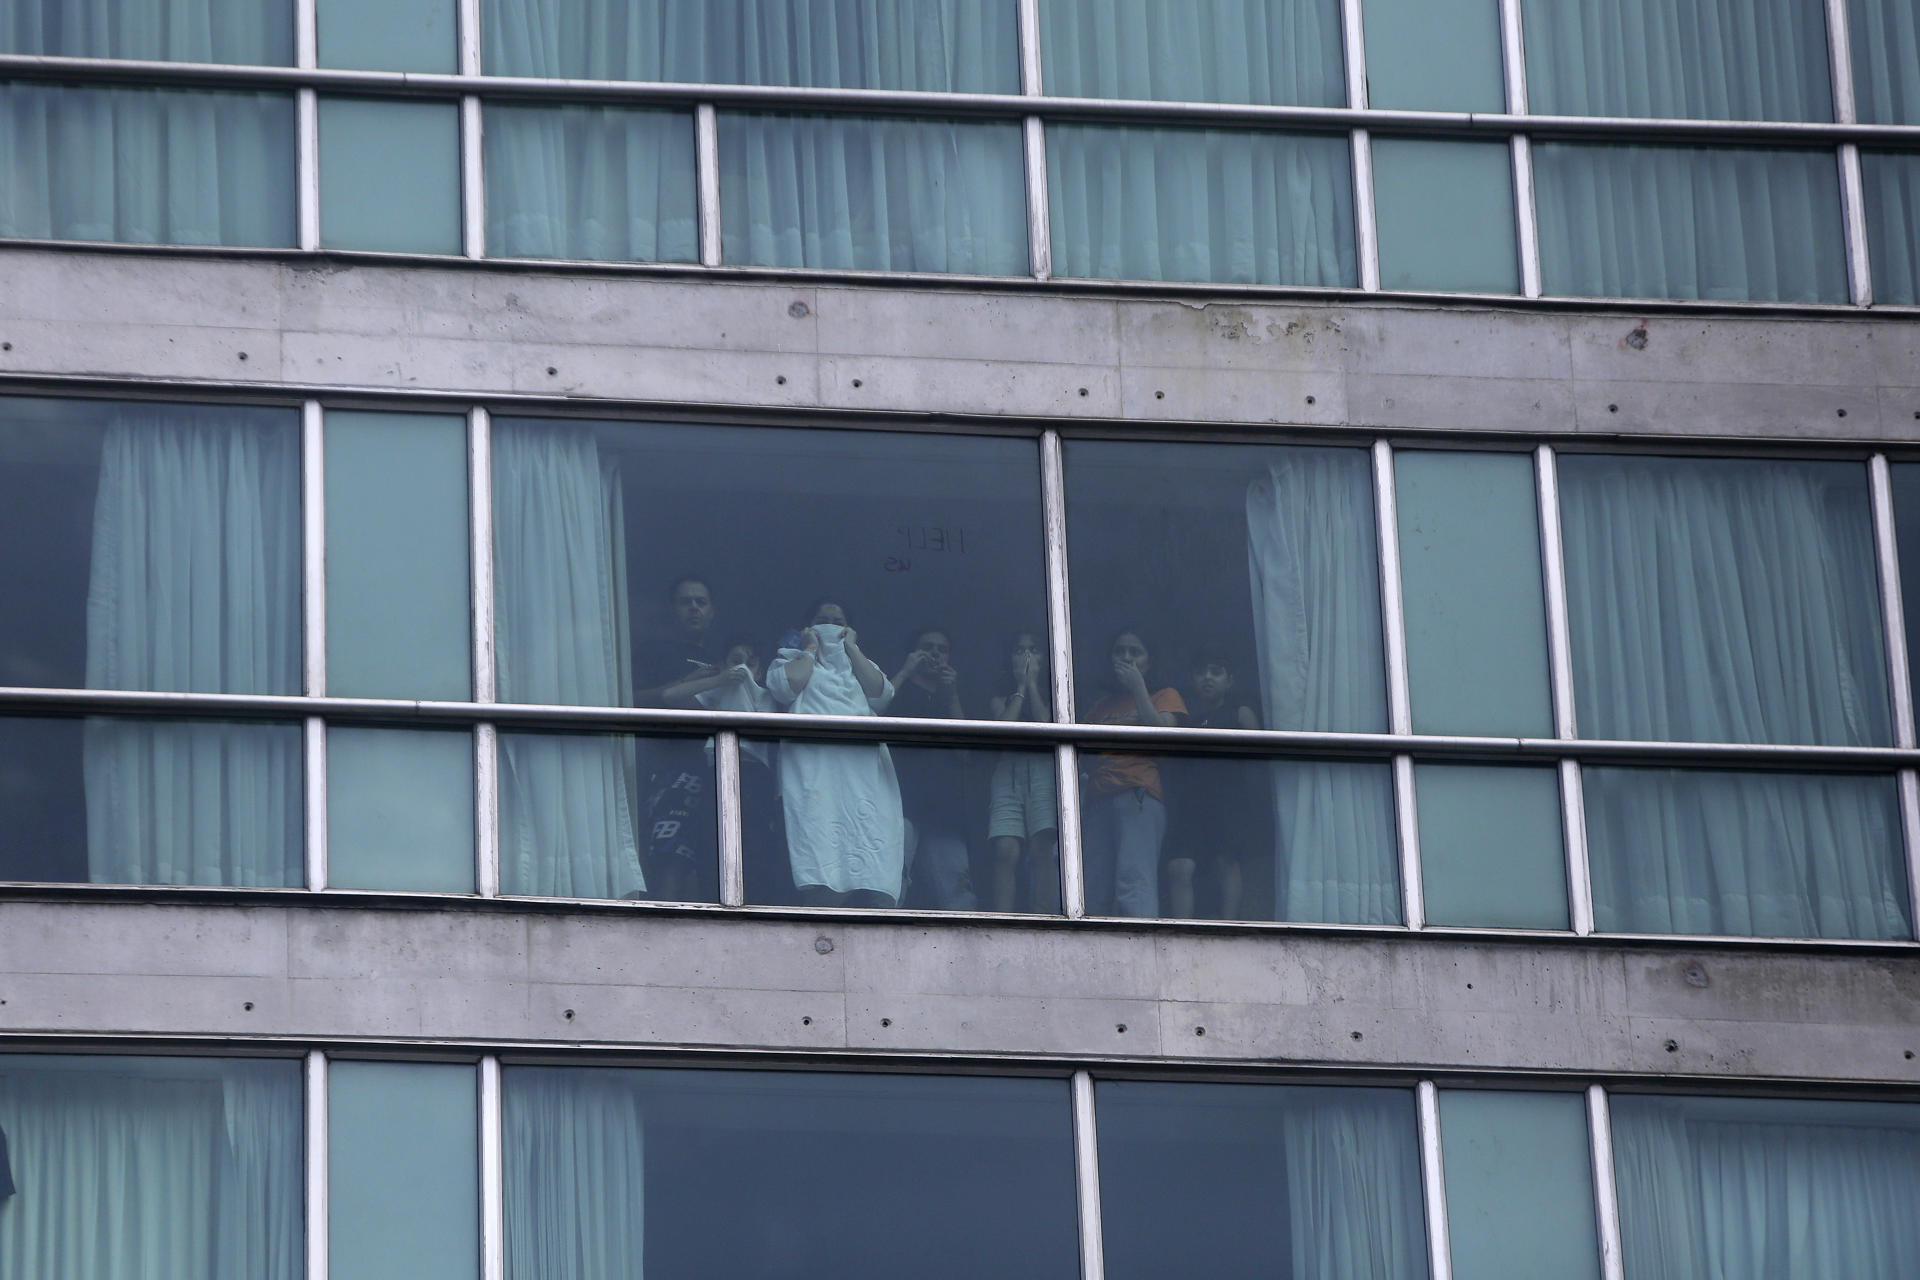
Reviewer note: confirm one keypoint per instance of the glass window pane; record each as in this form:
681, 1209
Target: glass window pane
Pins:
1476, 616
146, 166
398, 621
931, 828
400, 809
942, 46
1490, 846
387, 35
575, 821
1273, 51
1698, 60
590, 183
1261, 1180
1723, 600
1892, 188
1708, 1185
149, 546
136, 1168
1772, 855
1445, 215
403, 1171
1434, 55
1737, 224
625, 1173
873, 194
1519, 1184
233, 31
125, 800
1885, 35
1906, 518
1263, 555
390, 175
1200, 204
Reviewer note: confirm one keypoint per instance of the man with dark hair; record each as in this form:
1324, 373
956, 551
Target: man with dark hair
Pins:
679, 664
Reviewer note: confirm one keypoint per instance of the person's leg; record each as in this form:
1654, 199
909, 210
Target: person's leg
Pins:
946, 867
1231, 887
1099, 834
1006, 871
1043, 872
1180, 888
1140, 826
871, 898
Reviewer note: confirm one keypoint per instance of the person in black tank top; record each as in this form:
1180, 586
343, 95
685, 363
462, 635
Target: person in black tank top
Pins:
1213, 807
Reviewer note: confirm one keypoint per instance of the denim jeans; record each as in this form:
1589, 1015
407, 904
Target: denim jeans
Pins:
1122, 834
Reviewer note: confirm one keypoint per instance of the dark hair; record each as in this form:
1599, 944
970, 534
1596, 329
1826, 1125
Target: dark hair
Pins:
915, 636
744, 642
1007, 684
807, 619
673, 589
1211, 655
1105, 668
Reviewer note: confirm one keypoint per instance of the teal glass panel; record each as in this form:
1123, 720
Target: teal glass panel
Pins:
1906, 523
1769, 855
591, 183
232, 31
1892, 187
1444, 212
388, 35
1200, 204
1434, 55
390, 175
403, 1171
1724, 223
161, 1168
1519, 1185
873, 194
400, 809
1476, 614
398, 620
1885, 35
1491, 854
146, 166
1680, 59
941, 46
1268, 51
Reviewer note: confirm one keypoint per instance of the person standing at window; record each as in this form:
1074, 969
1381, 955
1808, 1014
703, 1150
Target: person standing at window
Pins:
1215, 810
683, 826
934, 783
1124, 818
1022, 805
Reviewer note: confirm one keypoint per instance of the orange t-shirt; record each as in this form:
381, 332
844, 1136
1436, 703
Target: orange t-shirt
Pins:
1113, 774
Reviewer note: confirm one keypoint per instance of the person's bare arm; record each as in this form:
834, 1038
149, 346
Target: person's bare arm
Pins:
1135, 685
1247, 718
873, 681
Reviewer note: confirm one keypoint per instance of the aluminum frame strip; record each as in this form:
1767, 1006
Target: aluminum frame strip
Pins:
706, 145
1086, 1166
1526, 216
317, 1209
1031, 62
1840, 62
1393, 615
1067, 848
493, 1202
1573, 825
468, 16
1892, 605
313, 555
1606, 1198
480, 551
726, 788
1513, 57
1053, 500
473, 179
315, 733
1853, 210
1039, 207
1406, 813
1433, 1181
1909, 783
1353, 41
1546, 476
1366, 227
307, 166
486, 811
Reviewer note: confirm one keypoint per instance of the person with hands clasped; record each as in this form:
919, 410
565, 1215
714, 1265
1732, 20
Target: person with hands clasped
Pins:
1124, 815
846, 836
1023, 809
934, 786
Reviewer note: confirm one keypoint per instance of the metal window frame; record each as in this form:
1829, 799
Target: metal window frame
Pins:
1852, 189
1433, 1180
1573, 808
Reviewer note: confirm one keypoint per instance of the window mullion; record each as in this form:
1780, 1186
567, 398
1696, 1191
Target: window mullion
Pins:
1606, 1199
493, 1209
1039, 218
313, 627
726, 787
1393, 633
706, 140
1573, 809
1433, 1181
316, 1170
1086, 1160
486, 740
1053, 496
1513, 53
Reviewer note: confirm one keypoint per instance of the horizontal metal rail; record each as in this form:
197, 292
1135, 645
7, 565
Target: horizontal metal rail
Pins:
1006, 106
983, 733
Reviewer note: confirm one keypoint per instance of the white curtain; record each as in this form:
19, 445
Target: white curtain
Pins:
1286, 52
566, 800
152, 1169
1892, 182
1200, 204
575, 1152
1313, 566
1731, 600
194, 586
1886, 60
593, 183
146, 165
1711, 1190
958, 46
236, 31
1354, 1200
873, 194
1684, 59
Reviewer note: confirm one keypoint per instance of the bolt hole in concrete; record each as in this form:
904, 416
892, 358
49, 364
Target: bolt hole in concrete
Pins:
780, 380
806, 1022
886, 1022
1357, 1036
1310, 400
798, 311
856, 382
1083, 391
823, 945
1613, 408
243, 355
1909, 1052
1122, 1029
1840, 412
568, 1015
1199, 1031
8, 346
1673, 1046
1637, 339
248, 1006
552, 371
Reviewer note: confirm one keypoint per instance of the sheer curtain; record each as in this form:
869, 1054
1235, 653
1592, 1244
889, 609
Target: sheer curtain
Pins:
1886, 60
566, 800
1314, 571
1200, 204
1354, 1201
575, 1176
195, 584
150, 1169
595, 183
1720, 1190
1285, 52
1892, 185
1731, 600
237, 31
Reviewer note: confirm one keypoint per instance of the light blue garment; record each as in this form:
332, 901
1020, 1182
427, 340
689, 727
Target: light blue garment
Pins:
1314, 569
872, 194
1122, 835
942, 46
146, 166
1686, 59
152, 1168
1885, 35
1728, 223
1200, 204
575, 1152
1286, 52
1767, 1189
235, 31
560, 622
593, 183
195, 585
1892, 185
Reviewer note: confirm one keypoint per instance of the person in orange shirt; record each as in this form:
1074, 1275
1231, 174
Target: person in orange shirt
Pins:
1124, 812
